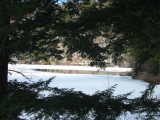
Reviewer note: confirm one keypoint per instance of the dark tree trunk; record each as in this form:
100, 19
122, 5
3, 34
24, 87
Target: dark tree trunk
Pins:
3, 71
4, 38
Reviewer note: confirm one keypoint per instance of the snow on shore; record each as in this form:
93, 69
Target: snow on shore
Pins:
60, 67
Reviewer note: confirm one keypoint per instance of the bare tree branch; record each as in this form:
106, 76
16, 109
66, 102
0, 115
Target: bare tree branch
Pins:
26, 77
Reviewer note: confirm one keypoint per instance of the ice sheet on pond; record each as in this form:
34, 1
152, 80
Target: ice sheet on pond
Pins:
86, 83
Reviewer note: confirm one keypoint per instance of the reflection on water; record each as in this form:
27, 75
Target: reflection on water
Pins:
83, 72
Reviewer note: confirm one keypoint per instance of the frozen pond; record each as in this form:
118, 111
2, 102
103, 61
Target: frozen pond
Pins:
87, 80
87, 83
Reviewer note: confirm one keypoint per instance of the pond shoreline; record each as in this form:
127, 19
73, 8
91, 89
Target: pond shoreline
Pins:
154, 80
71, 69
84, 72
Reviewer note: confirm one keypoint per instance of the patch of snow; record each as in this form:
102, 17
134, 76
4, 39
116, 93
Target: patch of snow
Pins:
65, 67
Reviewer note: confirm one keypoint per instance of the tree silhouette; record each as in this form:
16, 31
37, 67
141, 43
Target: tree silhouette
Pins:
65, 104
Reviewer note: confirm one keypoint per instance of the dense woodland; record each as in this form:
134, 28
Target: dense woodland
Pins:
37, 28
